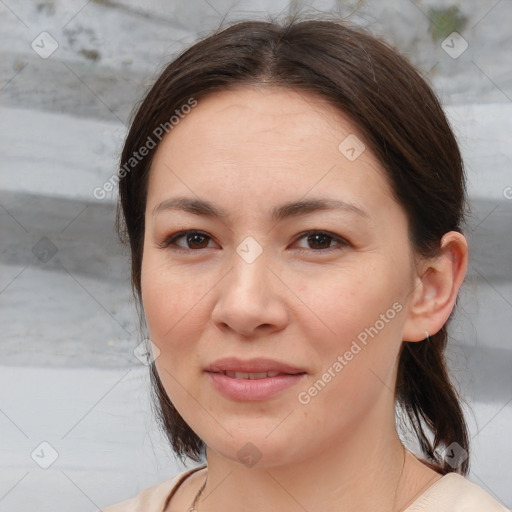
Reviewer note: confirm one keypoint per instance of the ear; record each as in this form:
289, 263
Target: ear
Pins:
436, 287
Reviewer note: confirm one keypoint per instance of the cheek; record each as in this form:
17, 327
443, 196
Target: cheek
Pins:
356, 366
347, 305
172, 309
362, 321
171, 298
170, 317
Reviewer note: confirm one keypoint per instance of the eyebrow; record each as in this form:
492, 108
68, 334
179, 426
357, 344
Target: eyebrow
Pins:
278, 213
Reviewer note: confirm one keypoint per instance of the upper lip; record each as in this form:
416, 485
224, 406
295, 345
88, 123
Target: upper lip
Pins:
256, 365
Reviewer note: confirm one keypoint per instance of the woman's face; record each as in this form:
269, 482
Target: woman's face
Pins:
324, 290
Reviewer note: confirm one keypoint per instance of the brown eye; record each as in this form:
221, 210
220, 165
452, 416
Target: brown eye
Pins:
321, 241
194, 240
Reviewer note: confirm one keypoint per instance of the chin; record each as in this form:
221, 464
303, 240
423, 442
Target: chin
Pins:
259, 450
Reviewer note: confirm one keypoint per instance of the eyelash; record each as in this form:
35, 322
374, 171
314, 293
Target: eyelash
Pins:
170, 241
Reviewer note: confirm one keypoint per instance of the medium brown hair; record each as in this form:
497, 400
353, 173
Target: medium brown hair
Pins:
400, 120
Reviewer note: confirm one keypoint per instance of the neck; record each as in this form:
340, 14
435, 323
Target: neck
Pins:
365, 471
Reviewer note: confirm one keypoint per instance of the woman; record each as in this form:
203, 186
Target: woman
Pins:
292, 196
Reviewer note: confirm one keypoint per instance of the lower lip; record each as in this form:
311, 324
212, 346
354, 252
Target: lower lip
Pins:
257, 389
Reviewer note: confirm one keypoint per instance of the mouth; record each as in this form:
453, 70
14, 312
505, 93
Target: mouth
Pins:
255, 375
252, 380
256, 368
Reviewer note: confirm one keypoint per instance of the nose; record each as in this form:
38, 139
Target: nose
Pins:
251, 300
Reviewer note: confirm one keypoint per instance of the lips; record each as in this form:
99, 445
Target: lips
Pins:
253, 379
252, 368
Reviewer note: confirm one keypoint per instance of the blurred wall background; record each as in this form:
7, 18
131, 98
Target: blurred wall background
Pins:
74, 396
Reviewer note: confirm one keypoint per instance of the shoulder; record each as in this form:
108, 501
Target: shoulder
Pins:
152, 499
455, 493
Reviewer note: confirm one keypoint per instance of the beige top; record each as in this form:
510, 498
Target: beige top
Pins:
451, 493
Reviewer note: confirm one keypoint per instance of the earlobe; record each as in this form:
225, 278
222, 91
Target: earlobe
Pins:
439, 282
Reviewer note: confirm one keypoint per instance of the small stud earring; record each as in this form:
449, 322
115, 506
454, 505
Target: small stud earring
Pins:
426, 335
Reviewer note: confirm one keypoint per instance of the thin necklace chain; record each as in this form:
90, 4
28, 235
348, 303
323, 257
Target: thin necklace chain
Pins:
193, 508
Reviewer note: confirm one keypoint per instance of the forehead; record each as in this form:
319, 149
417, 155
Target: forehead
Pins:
255, 142
267, 111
